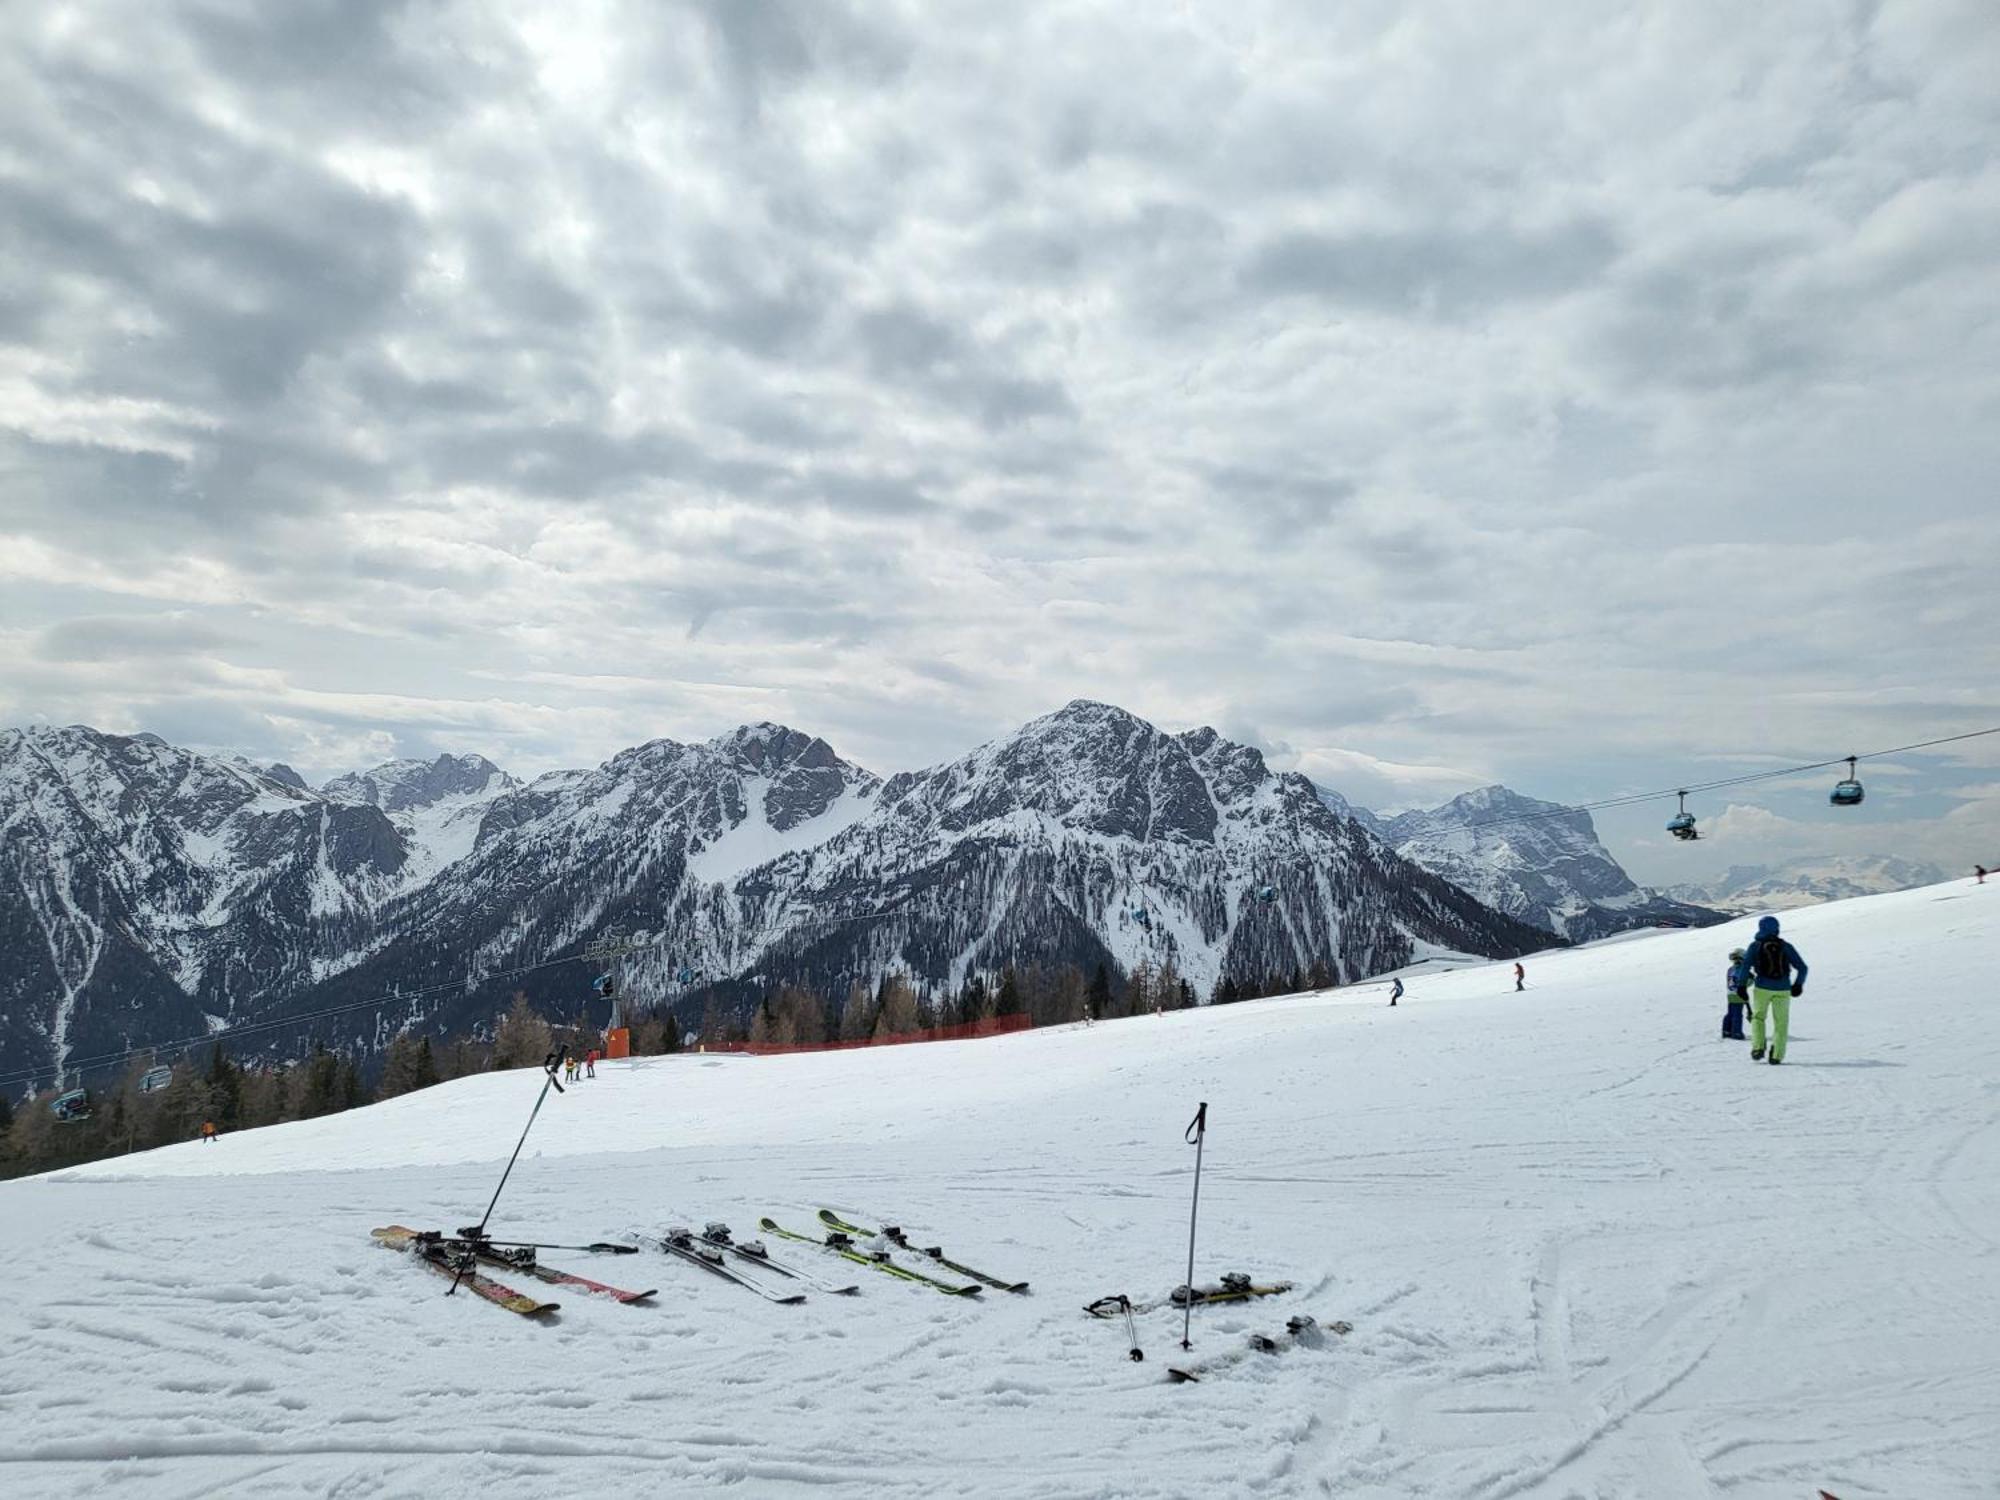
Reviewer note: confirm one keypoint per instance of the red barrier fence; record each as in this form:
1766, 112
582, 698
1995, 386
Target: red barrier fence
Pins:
997, 1026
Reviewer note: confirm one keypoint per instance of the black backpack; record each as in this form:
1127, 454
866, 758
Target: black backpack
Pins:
1769, 961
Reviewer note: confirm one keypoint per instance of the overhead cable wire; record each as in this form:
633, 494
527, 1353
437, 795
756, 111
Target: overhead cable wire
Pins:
1690, 789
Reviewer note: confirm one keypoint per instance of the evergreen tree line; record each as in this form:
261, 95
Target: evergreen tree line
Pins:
235, 1096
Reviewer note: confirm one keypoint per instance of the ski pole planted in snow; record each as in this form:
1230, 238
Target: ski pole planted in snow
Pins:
551, 1065
1196, 1131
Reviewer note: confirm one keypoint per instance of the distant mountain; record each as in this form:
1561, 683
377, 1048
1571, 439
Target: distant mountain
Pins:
1807, 882
1537, 861
150, 893
438, 806
147, 891
1091, 836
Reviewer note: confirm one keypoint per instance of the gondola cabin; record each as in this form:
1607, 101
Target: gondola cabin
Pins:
71, 1108
1847, 793
1681, 824
156, 1079
1267, 894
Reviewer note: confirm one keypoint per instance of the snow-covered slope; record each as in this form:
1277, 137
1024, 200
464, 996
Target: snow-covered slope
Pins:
1587, 1249
1538, 861
1829, 877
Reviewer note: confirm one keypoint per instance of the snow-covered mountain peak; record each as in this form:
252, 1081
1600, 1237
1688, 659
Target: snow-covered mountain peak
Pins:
1087, 766
1538, 861
410, 785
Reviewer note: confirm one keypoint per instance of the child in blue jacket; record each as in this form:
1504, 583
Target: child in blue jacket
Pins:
1736, 986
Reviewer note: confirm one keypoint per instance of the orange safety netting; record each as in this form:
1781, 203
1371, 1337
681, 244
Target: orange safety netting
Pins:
997, 1026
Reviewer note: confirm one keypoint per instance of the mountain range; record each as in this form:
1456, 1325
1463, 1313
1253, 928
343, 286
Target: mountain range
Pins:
1537, 861
150, 893
1807, 882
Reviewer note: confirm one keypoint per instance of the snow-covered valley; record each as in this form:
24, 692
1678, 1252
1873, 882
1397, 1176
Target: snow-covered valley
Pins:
1587, 1249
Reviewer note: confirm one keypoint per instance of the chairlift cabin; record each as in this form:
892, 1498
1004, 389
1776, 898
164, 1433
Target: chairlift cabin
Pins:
71, 1108
1681, 824
1267, 894
156, 1079
1142, 917
1847, 793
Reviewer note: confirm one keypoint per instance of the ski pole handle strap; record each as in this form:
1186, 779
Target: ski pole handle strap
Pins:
1198, 1124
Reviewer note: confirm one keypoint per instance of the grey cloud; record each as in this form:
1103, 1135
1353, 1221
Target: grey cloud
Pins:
1381, 394
108, 638
1283, 502
1452, 272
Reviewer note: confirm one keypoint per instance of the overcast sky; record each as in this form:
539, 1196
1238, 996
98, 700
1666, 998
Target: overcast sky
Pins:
1586, 397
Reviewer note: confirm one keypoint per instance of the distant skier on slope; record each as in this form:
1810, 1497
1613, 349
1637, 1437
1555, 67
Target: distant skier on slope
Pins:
1520, 978
590, 1063
1737, 986
208, 1132
1396, 991
1778, 977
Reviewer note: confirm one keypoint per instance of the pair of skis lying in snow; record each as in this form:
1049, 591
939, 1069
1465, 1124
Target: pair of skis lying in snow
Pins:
459, 1256
1302, 1330
712, 1250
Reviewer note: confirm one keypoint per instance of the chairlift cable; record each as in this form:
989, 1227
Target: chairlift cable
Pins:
1727, 781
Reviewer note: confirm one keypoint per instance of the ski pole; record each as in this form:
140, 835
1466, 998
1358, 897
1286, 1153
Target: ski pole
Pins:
550, 1066
597, 1247
1197, 1130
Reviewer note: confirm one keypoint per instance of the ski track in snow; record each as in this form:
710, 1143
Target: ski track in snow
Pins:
1587, 1250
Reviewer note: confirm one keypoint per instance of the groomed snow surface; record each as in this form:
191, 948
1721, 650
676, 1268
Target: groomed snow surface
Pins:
1587, 1249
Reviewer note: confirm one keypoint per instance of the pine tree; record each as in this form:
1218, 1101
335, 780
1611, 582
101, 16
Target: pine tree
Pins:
399, 1067
349, 1091
523, 1040
426, 1071
857, 1016
898, 1013
225, 1089
1099, 997
318, 1092
1008, 1001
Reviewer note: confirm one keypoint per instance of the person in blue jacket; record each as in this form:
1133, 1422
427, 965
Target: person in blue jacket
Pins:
1777, 977
1737, 987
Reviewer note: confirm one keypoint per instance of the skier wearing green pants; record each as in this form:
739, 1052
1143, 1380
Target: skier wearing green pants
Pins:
1777, 977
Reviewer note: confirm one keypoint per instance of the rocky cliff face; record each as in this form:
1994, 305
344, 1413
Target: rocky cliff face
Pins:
1537, 861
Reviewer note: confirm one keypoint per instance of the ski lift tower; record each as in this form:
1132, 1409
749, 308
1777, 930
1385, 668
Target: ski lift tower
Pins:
608, 954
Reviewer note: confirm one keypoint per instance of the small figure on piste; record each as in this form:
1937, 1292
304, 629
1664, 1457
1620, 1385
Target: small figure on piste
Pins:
1737, 986
1395, 991
1520, 978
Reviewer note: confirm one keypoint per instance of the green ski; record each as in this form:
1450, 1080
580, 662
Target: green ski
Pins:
896, 1236
842, 1245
